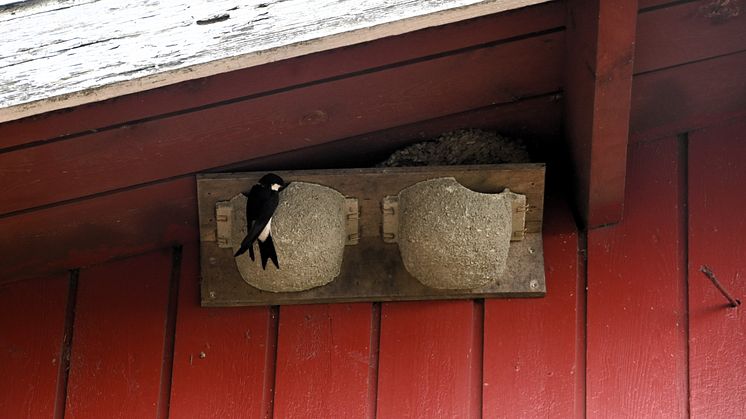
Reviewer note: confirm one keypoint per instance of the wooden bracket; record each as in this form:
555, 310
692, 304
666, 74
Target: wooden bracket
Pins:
223, 220
390, 221
353, 218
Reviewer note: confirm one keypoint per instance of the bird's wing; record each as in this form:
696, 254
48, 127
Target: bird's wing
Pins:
264, 213
255, 200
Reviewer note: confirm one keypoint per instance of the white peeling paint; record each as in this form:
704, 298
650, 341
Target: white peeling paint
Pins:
57, 54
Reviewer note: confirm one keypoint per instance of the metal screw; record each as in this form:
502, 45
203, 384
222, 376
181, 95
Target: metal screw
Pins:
534, 284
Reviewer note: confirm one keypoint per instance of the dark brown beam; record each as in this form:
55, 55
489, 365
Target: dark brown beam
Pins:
598, 81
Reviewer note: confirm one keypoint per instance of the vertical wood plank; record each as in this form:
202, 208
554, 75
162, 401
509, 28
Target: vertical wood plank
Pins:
636, 330
598, 83
323, 361
117, 349
32, 324
717, 227
427, 360
223, 357
530, 352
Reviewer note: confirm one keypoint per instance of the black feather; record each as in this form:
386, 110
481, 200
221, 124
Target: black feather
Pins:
261, 203
267, 251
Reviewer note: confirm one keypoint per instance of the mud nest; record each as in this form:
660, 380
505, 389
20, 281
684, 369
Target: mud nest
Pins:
466, 146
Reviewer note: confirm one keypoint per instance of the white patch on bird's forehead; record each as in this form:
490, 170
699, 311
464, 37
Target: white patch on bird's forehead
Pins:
265, 231
275, 186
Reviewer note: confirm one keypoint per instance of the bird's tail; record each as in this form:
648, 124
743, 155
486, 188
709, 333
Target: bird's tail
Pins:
267, 251
246, 244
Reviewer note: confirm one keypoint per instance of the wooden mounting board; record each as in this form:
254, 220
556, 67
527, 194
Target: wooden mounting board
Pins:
372, 270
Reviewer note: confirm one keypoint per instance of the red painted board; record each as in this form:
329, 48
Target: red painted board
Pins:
687, 97
266, 78
118, 339
530, 345
598, 81
430, 360
32, 325
301, 117
537, 120
140, 219
324, 362
223, 358
688, 32
636, 310
717, 199
91, 231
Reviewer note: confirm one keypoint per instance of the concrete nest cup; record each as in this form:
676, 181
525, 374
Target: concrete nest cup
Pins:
308, 231
451, 237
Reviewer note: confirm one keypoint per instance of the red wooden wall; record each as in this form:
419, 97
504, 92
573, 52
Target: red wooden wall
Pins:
99, 313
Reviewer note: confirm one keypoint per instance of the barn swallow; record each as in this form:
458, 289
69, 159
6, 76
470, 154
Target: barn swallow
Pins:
261, 203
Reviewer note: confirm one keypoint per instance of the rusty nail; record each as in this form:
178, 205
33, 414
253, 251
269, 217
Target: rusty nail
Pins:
734, 302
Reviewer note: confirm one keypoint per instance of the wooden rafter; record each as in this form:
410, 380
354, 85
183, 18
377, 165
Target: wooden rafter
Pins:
598, 86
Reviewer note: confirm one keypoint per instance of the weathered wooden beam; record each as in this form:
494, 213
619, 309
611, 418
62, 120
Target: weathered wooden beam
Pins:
598, 82
285, 74
117, 48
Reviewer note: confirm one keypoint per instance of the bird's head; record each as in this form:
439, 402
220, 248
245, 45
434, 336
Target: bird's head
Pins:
272, 181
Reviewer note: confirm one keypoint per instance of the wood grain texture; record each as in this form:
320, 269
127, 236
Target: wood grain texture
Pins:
223, 358
298, 118
636, 345
118, 344
32, 325
183, 41
372, 270
598, 82
136, 220
536, 120
262, 80
427, 360
324, 361
688, 32
530, 354
94, 230
716, 230
688, 97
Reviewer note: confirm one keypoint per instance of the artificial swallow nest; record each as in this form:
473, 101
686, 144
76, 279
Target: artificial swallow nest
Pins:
309, 232
465, 146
